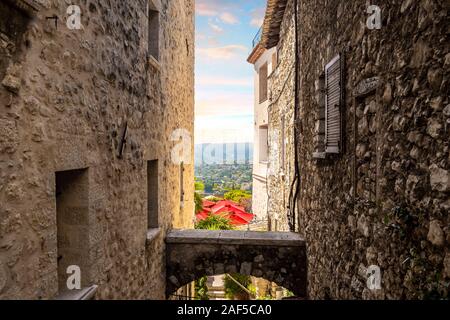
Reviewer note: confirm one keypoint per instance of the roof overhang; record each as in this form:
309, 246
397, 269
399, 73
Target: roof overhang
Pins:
272, 23
257, 52
270, 29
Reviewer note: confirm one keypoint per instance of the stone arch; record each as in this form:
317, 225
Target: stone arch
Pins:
277, 257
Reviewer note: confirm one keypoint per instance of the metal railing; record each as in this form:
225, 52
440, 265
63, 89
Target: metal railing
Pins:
257, 38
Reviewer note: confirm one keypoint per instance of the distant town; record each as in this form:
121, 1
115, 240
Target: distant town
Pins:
224, 167
223, 153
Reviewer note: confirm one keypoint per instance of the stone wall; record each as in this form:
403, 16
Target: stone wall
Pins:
65, 97
275, 256
384, 200
281, 124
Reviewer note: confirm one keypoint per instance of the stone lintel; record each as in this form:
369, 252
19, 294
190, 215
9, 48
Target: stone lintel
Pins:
234, 237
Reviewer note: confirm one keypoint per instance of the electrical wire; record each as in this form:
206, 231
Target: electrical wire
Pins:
296, 181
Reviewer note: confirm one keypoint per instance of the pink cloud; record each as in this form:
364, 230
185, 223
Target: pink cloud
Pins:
205, 8
213, 41
224, 104
215, 28
257, 17
229, 18
224, 81
222, 9
223, 53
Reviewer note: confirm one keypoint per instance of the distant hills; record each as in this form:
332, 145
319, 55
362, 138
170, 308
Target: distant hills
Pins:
223, 153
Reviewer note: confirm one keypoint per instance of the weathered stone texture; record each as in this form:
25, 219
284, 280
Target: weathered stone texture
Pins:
385, 199
65, 95
281, 125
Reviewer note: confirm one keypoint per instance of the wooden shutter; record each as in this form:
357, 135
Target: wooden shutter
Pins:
263, 73
333, 105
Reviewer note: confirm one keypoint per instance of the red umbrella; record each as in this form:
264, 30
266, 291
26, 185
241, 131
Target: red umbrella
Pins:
207, 203
229, 209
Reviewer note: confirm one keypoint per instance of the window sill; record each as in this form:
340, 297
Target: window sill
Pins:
152, 234
264, 162
319, 155
82, 294
154, 63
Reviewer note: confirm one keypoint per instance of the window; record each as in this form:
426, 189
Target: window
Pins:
153, 194
319, 137
263, 144
274, 61
13, 24
329, 96
333, 101
263, 83
153, 31
72, 220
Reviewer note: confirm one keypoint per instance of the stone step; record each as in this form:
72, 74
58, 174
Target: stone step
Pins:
216, 288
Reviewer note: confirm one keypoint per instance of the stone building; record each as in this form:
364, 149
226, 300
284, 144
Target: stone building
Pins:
273, 167
264, 62
281, 121
91, 120
372, 126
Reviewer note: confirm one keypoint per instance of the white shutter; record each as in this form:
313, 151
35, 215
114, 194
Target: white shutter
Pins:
333, 105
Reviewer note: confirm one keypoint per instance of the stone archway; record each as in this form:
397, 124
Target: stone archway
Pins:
279, 257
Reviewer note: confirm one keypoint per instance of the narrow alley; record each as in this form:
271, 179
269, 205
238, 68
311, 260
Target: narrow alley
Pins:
309, 139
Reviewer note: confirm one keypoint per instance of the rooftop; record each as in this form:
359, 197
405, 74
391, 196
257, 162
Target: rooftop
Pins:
269, 34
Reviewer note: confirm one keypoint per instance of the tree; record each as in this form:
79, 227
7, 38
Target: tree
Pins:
215, 222
201, 289
213, 198
198, 202
199, 186
237, 195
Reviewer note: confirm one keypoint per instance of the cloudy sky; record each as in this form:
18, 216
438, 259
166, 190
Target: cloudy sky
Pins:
224, 80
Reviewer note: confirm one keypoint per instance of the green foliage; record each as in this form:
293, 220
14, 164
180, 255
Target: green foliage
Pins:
198, 202
213, 199
237, 195
289, 294
215, 222
251, 287
218, 178
199, 186
201, 289
266, 297
232, 289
